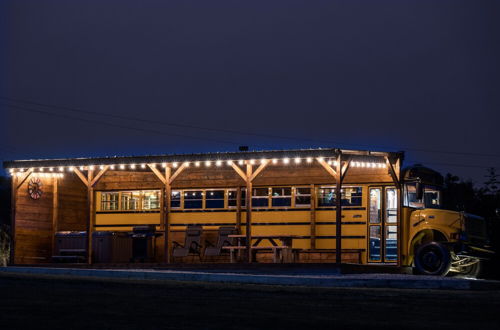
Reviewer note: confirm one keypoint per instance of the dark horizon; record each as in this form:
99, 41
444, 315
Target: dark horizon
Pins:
417, 76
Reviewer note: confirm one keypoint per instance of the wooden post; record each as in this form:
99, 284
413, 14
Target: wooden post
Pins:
338, 211
90, 221
166, 219
13, 204
249, 212
238, 209
55, 211
313, 217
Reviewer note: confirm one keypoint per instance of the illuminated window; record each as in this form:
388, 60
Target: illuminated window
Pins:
260, 197
131, 200
302, 197
109, 201
214, 199
193, 199
351, 196
175, 199
281, 197
151, 200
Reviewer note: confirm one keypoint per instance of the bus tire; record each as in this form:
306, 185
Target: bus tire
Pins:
432, 258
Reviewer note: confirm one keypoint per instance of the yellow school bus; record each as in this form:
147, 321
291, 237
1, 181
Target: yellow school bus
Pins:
338, 205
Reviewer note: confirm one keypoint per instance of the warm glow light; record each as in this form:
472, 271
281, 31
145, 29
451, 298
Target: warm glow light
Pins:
122, 166
263, 161
71, 168
186, 164
218, 163
174, 165
91, 167
297, 160
112, 167
164, 165
329, 162
229, 162
241, 162
197, 164
51, 169
101, 167
11, 170
309, 159
252, 161
286, 160
275, 161
81, 168
61, 168
40, 169
207, 163
143, 165
132, 166
321, 159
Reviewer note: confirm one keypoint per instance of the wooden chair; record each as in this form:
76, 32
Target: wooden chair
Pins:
192, 245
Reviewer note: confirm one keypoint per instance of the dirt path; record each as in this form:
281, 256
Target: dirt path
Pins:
44, 302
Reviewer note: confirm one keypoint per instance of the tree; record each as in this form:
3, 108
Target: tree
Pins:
492, 183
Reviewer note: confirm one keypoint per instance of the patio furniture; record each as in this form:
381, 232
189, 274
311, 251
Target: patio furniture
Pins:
191, 244
223, 239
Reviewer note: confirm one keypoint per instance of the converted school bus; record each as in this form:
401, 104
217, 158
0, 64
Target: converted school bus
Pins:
305, 193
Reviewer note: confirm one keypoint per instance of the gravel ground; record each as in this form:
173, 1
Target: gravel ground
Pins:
43, 302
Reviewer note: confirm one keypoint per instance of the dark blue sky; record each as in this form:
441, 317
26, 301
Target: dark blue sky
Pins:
391, 75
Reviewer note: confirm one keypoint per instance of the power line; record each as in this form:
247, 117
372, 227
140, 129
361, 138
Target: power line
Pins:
116, 125
137, 119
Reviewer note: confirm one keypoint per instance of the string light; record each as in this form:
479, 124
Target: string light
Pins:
241, 162
51, 169
91, 167
263, 161
164, 165
218, 163
70, 169
186, 164
207, 163
275, 161
122, 166
229, 162
286, 160
174, 165
197, 164
309, 159
132, 166
143, 165
61, 168
297, 160
252, 161
112, 167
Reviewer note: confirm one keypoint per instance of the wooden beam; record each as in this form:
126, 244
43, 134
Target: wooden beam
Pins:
166, 215
313, 217
392, 172
99, 175
327, 167
338, 212
179, 171
249, 212
81, 176
345, 168
55, 211
24, 178
238, 210
239, 171
13, 205
157, 173
259, 169
90, 221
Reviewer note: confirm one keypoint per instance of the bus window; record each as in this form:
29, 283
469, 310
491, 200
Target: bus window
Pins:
410, 199
432, 197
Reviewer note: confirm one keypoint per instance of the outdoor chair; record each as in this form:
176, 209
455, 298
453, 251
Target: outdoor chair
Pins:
191, 244
222, 240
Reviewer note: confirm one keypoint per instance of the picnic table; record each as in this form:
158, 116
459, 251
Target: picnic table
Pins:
282, 252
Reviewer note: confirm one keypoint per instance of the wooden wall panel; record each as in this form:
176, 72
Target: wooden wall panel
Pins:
73, 213
34, 224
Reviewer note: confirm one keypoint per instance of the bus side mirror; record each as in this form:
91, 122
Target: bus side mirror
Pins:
420, 190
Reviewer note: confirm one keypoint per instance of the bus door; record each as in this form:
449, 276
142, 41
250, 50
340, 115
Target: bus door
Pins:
383, 225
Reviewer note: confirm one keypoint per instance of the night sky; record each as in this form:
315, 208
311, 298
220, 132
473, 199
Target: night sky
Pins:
202, 76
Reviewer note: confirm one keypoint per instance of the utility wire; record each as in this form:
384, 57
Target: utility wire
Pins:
137, 119
115, 125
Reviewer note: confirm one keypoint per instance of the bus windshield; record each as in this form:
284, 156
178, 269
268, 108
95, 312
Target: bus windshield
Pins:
432, 197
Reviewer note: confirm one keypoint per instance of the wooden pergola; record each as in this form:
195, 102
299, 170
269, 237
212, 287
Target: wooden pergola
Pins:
247, 165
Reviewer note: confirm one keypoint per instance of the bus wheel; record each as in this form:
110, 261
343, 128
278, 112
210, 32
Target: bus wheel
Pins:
432, 258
